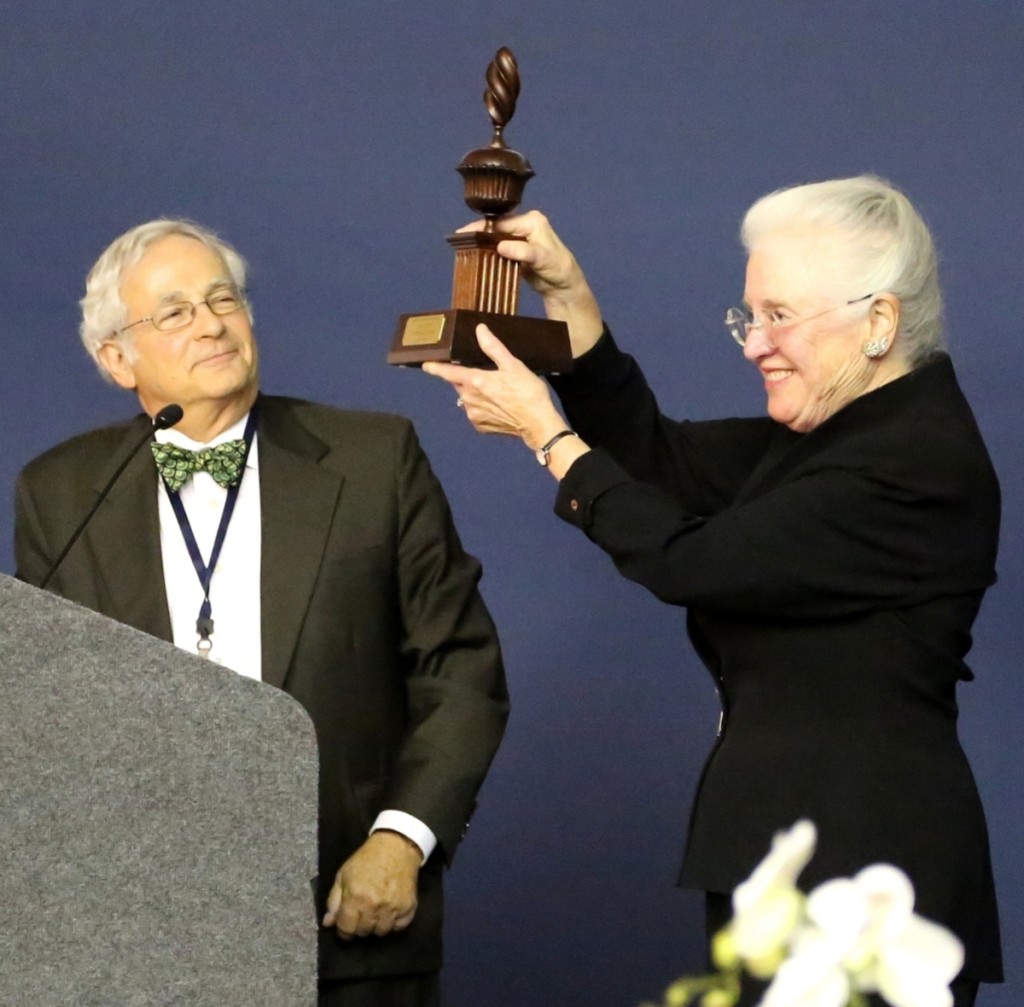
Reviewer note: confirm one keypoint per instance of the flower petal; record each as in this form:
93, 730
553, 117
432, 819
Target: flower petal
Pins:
812, 977
766, 926
890, 898
791, 850
839, 908
903, 990
915, 969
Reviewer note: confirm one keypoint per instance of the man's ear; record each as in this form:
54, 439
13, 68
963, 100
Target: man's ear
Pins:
113, 357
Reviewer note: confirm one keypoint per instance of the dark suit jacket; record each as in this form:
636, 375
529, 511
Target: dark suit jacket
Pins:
831, 581
370, 618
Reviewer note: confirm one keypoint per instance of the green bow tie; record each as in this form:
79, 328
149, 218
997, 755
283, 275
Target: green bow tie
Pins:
176, 465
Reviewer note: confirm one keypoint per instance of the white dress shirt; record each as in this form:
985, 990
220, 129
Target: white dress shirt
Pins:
235, 585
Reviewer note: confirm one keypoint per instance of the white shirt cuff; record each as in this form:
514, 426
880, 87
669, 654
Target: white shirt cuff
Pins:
410, 827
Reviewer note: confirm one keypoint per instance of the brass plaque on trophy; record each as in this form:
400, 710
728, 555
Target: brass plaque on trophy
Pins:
486, 286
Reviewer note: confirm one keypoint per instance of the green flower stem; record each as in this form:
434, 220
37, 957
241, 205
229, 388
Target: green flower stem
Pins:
686, 991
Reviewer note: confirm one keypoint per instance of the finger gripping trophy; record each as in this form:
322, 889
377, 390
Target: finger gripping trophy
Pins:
485, 287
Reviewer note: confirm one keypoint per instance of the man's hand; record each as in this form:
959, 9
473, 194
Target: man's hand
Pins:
375, 889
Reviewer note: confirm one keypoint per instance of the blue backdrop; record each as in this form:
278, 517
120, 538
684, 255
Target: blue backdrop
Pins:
321, 138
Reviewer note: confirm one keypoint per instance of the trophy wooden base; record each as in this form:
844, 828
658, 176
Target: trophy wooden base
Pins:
450, 337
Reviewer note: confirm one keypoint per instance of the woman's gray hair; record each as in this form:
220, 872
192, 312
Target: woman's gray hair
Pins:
103, 314
888, 247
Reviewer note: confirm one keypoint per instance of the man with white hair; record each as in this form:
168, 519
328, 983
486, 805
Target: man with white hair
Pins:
299, 544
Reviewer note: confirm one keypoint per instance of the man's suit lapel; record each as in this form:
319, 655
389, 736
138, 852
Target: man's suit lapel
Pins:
124, 537
298, 500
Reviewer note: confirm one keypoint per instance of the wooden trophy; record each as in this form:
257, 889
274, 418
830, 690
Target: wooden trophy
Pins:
486, 286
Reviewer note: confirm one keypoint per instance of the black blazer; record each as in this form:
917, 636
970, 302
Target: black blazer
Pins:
831, 581
371, 619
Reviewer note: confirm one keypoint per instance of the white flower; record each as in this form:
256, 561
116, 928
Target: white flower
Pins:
848, 937
865, 928
907, 959
768, 906
812, 977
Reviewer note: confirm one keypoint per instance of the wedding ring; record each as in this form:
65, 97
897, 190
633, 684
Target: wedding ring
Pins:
458, 402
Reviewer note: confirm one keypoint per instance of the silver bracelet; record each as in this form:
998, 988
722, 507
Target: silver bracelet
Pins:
544, 454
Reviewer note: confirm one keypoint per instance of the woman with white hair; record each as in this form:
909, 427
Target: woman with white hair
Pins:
832, 556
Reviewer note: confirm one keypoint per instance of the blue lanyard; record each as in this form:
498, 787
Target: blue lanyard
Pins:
204, 571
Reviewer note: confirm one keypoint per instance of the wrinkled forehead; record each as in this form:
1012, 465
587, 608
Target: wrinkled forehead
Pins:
798, 266
174, 267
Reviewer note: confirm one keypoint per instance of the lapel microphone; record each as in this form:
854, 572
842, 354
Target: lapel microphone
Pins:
167, 417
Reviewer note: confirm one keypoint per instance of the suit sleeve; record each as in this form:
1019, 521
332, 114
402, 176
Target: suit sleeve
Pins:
457, 698
835, 542
610, 405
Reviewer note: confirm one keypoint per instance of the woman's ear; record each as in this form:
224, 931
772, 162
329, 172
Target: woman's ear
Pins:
884, 320
885, 316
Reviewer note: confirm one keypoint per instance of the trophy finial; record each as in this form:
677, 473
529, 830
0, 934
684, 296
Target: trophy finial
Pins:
502, 91
494, 176
485, 285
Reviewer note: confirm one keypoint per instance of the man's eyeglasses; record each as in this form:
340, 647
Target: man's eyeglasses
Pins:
178, 314
739, 321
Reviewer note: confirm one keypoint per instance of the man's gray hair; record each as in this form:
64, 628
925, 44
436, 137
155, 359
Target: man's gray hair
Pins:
103, 313
887, 247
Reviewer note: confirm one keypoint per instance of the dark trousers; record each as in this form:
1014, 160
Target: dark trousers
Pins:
719, 912
419, 990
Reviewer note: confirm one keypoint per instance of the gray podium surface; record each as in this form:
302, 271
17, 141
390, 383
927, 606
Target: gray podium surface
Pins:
157, 821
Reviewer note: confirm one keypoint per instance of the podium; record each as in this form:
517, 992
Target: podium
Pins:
158, 819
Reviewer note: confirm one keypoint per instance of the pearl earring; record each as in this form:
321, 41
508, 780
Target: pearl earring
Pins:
875, 347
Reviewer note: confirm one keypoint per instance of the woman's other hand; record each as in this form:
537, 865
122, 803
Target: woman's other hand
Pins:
510, 400
552, 270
